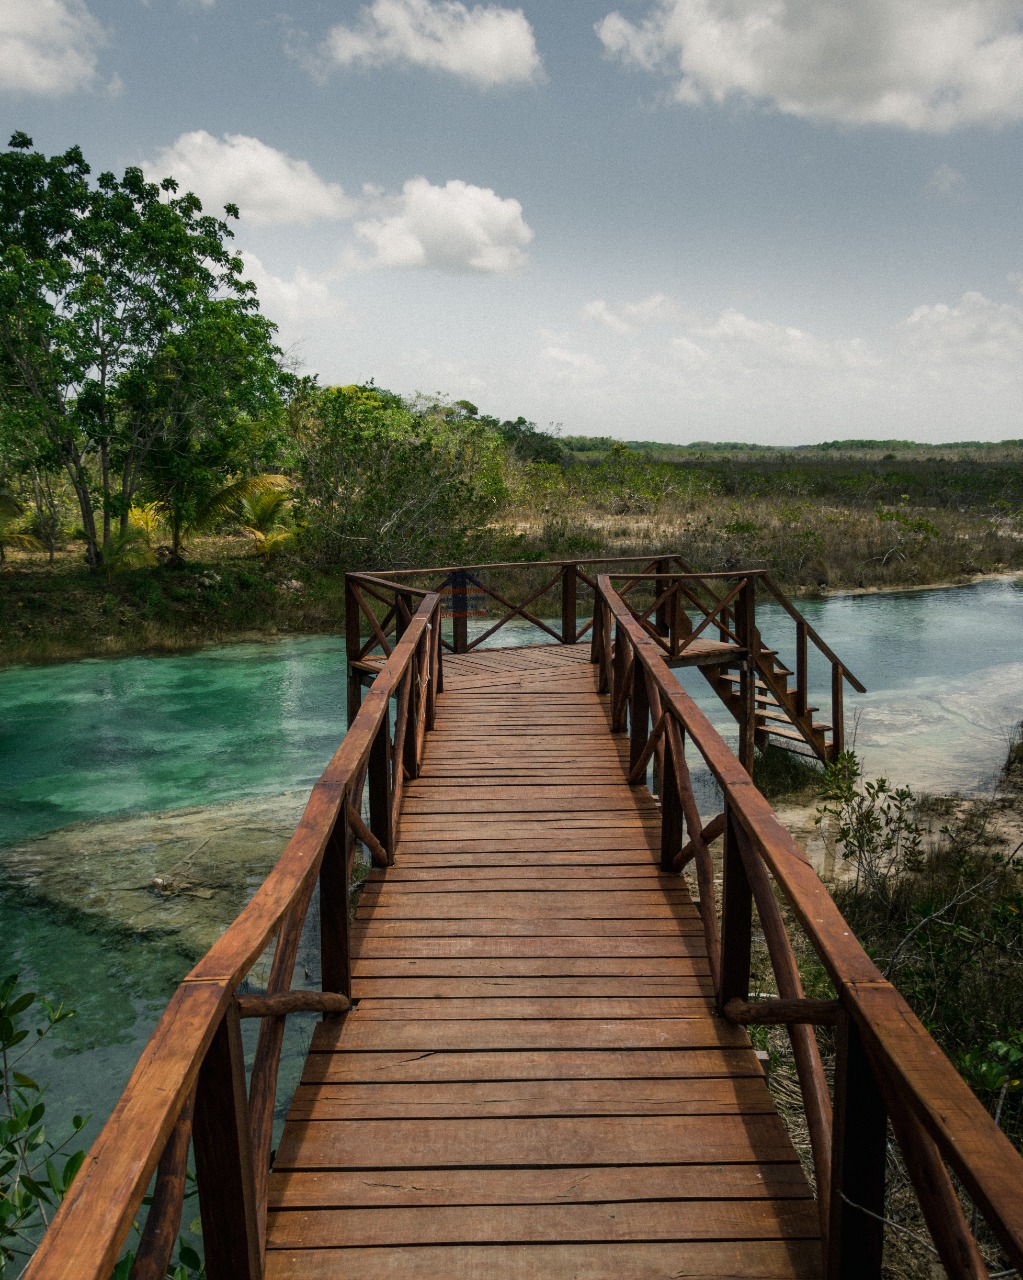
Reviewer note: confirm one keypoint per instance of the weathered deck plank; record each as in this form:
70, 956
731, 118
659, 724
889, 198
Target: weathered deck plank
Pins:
532, 1081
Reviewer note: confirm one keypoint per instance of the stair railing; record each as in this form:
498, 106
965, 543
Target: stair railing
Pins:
189, 1087
888, 1069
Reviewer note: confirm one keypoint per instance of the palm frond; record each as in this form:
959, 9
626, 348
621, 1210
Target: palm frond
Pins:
227, 501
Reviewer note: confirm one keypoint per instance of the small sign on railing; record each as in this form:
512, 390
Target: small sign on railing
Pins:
461, 597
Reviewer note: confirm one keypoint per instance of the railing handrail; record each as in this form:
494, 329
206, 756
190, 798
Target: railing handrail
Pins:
90, 1227
914, 1068
523, 564
812, 634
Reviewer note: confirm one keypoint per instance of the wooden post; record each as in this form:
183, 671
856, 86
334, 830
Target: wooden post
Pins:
403, 612
802, 676
353, 644
858, 1150
671, 809
661, 621
837, 714
618, 669
569, 591
410, 755
745, 628
639, 713
223, 1159
379, 781
460, 610
736, 919
335, 952
675, 624
433, 670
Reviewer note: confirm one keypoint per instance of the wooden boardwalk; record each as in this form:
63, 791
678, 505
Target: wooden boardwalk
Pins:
533, 1081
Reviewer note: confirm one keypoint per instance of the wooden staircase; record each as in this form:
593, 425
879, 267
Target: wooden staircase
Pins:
782, 716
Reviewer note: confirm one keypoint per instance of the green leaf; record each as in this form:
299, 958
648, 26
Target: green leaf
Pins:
25, 1081
188, 1256
71, 1166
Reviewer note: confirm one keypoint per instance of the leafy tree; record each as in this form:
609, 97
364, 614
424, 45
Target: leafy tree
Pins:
216, 392
383, 485
120, 306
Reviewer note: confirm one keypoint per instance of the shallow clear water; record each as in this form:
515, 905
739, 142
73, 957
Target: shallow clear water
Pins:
944, 677
101, 738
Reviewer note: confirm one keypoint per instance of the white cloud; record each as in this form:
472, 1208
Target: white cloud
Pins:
457, 228
949, 184
917, 64
303, 308
976, 336
48, 47
945, 371
487, 45
268, 186
657, 309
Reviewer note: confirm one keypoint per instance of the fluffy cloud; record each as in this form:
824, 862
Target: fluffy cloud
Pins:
48, 47
457, 227
657, 309
487, 45
269, 187
976, 336
947, 370
917, 64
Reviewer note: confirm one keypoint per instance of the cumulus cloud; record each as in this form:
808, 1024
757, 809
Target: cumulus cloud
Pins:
657, 309
457, 227
486, 44
297, 303
917, 64
975, 334
268, 186
48, 47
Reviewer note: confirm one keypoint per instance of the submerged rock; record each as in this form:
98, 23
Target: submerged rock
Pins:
179, 872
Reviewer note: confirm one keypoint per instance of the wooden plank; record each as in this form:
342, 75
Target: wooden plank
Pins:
516, 800
546, 1064
531, 1224
485, 905
515, 1033
572, 1185
549, 969
407, 878
519, 943
395, 891
716, 1260
605, 1140
583, 842
603, 988
530, 1008
747, 1095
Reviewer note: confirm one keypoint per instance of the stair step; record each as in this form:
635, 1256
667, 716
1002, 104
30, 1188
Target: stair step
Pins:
784, 718
792, 734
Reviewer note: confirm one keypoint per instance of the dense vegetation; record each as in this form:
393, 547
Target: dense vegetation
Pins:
165, 480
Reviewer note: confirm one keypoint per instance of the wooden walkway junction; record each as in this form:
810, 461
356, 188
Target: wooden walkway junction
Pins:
533, 1058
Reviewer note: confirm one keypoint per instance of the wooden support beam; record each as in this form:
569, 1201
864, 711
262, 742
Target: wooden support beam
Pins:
279, 1006
787, 1013
223, 1159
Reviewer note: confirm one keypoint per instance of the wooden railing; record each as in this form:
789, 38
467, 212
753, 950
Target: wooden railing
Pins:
677, 606
189, 1087
887, 1067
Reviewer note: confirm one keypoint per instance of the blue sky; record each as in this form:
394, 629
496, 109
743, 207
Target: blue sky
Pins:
772, 220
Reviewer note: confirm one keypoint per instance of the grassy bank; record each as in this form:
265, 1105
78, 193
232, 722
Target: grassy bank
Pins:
830, 519
933, 889
51, 614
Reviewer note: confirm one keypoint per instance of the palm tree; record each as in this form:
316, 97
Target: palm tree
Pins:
11, 511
